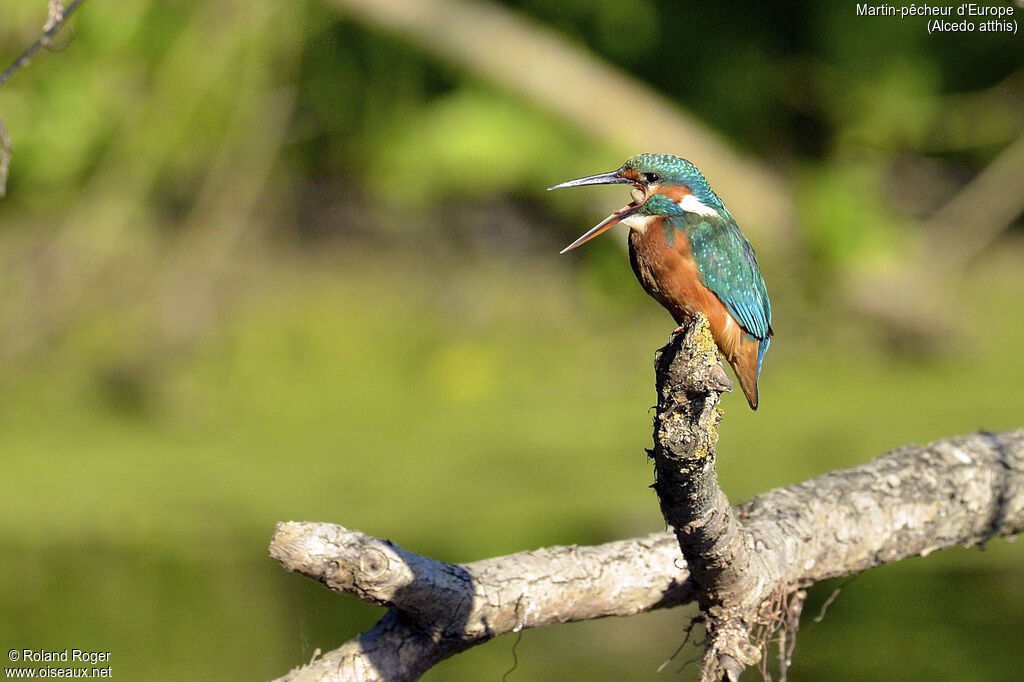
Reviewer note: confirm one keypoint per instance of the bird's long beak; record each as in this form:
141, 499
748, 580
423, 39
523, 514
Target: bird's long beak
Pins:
612, 178
614, 218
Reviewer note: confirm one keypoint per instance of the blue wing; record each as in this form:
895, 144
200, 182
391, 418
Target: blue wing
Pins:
728, 267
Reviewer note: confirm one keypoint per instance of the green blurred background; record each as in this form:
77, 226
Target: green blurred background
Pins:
295, 261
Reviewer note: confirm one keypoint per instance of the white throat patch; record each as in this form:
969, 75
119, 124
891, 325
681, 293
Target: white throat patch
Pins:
692, 204
637, 222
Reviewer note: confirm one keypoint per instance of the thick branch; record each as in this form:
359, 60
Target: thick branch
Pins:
731, 577
980, 212
910, 502
440, 609
914, 500
557, 74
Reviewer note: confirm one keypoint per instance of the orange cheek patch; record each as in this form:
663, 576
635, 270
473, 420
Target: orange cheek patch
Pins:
674, 192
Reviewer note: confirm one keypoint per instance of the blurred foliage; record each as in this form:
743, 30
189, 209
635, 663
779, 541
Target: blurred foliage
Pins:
264, 262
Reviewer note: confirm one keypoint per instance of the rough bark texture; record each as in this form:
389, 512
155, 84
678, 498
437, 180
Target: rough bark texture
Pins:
440, 609
733, 579
745, 561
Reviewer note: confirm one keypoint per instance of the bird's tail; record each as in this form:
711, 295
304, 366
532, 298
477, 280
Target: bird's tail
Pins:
746, 363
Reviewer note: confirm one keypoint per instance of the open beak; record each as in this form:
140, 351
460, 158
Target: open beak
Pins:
614, 218
612, 178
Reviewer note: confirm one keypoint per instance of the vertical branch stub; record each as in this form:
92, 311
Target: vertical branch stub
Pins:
690, 380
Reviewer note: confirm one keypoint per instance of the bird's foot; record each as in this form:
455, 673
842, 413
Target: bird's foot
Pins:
718, 380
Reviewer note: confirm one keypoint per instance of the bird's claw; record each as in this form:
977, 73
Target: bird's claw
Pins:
718, 380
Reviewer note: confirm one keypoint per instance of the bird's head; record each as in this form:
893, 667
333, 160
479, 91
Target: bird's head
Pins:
662, 185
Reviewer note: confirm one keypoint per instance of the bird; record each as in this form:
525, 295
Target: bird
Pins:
690, 256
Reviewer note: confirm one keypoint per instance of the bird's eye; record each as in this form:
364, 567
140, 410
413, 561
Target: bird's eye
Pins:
651, 178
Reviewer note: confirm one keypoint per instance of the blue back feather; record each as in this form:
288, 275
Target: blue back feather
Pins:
728, 267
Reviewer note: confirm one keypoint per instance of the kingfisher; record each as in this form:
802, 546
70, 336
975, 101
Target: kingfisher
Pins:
690, 256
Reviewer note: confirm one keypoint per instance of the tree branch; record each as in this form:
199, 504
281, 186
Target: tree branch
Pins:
732, 578
909, 502
559, 75
980, 212
55, 19
5, 156
440, 609
746, 565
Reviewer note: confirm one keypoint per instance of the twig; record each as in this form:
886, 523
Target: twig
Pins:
828, 602
56, 17
689, 631
5, 156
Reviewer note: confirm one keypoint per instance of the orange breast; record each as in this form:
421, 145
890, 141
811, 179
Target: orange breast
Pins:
669, 274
